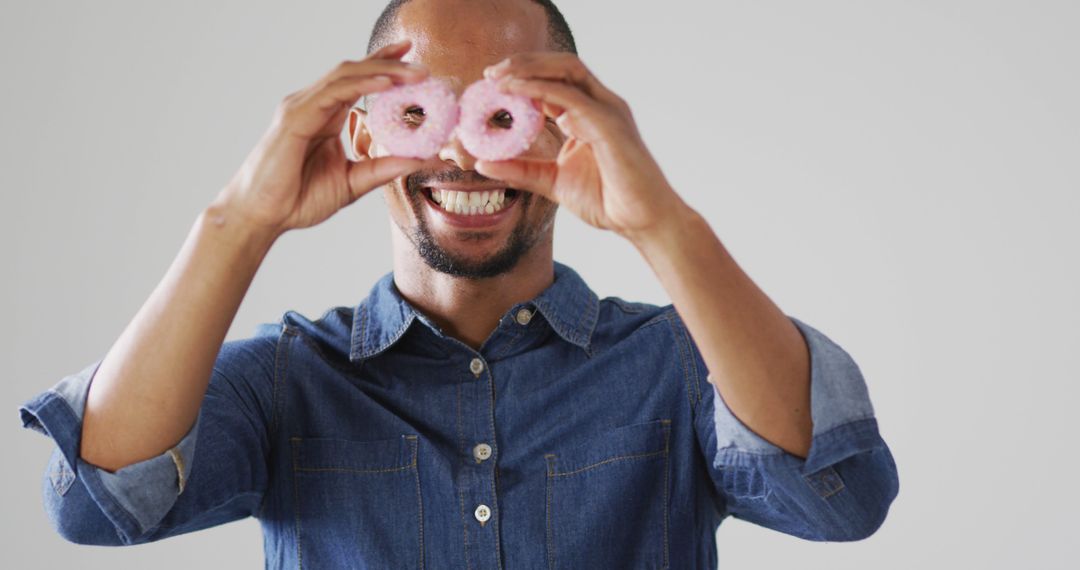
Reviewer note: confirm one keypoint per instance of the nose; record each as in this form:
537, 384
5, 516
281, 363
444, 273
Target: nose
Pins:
454, 152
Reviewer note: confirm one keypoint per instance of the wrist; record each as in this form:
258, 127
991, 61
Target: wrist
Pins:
668, 230
231, 222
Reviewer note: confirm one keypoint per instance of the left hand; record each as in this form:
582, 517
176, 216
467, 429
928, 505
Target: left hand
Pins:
603, 172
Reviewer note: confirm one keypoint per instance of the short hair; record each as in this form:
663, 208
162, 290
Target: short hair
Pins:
559, 31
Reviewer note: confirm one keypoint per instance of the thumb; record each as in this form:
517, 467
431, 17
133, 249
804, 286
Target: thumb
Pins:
536, 176
370, 173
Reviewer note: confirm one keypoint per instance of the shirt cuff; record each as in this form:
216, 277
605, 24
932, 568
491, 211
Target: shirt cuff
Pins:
134, 498
842, 413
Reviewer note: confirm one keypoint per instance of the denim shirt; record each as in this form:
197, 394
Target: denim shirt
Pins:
584, 433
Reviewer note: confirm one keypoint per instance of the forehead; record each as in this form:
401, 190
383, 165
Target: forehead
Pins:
457, 39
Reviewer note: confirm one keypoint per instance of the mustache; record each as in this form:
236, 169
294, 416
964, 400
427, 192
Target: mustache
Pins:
426, 178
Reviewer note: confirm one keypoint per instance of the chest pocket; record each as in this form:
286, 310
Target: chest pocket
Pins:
358, 503
607, 500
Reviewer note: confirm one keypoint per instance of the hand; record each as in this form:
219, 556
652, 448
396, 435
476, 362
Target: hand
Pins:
298, 175
603, 172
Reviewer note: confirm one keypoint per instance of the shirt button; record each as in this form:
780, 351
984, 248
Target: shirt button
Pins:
477, 366
481, 452
482, 514
524, 316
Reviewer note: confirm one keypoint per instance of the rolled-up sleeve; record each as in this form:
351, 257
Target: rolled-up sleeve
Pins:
134, 498
176, 491
841, 491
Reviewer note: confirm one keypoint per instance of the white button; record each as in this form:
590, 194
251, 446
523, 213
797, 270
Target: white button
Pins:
524, 316
481, 452
482, 514
477, 366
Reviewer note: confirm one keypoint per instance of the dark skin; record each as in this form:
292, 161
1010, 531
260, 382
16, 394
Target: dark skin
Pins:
591, 161
594, 163
467, 309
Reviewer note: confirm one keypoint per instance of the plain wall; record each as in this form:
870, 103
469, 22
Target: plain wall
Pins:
903, 175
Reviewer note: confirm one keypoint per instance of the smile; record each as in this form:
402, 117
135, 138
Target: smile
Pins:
471, 203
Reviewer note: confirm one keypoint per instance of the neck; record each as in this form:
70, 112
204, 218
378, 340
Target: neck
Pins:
469, 309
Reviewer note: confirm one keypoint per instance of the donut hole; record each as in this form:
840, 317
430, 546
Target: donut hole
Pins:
501, 119
413, 116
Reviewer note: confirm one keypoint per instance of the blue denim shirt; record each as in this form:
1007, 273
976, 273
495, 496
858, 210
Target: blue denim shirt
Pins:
583, 434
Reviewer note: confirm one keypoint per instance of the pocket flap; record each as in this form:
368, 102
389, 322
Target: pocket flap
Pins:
634, 441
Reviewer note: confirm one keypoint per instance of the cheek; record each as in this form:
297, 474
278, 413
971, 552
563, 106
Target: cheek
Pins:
396, 202
547, 144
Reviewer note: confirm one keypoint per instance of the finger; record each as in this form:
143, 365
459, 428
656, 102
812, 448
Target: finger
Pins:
399, 71
391, 51
556, 66
536, 176
370, 173
309, 114
554, 96
576, 114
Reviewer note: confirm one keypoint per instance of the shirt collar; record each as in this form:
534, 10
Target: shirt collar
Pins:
381, 319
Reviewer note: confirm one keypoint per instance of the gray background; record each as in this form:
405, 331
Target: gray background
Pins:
902, 175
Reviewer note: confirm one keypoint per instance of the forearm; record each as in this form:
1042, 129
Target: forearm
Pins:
147, 392
756, 356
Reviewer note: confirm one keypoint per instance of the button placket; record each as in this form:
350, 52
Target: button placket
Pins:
477, 488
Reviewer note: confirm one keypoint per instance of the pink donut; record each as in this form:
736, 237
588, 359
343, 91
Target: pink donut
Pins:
389, 127
479, 104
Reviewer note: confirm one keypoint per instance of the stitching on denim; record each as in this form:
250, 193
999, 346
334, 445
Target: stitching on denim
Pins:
818, 479
461, 493
314, 346
667, 492
281, 347
296, 508
406, 467
549, 459
513, 340
419, 496
494, 453
609, 460
682, 342
281, 364
361, 336
465, 527
625, 306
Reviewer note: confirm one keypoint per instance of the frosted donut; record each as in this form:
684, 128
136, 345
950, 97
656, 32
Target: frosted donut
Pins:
403, 134
480, 103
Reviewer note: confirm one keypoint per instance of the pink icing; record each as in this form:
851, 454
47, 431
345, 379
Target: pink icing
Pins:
479, 103
389, 129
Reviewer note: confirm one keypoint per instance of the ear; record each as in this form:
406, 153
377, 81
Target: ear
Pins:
359, 137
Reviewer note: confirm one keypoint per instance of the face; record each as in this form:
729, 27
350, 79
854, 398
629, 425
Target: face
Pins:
456, 40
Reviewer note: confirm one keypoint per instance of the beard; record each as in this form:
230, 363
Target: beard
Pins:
522, 238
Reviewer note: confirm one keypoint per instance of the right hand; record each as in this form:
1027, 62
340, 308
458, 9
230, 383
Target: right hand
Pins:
298, 175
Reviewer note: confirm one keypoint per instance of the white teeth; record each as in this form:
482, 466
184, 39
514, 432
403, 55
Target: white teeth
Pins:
469, 203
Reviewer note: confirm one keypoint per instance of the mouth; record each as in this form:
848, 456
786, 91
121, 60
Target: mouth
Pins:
472, 208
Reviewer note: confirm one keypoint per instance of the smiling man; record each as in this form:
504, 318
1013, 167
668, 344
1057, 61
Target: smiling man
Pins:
480, 407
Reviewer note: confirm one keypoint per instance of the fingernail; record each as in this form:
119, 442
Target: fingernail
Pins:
495, 71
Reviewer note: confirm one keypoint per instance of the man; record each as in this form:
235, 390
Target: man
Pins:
480, 408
